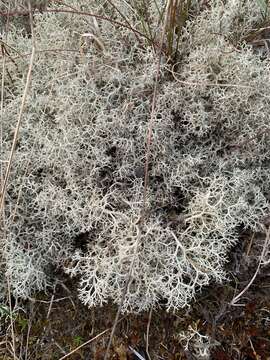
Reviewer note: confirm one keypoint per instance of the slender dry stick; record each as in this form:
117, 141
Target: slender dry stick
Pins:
138, 355
250, 244
4, 186
123, 16
266, 242
27, 340
16, 134
147, 22
11, 321
113, 5
2, 118
77, 12
146, 180
153, 110
247, 141
2, 189
127, 283
51, 303
44, 51
202, 83
147, 333
4, 43
87, 342
4, 53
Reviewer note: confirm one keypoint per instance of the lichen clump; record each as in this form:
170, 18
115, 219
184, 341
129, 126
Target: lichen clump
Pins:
77, 176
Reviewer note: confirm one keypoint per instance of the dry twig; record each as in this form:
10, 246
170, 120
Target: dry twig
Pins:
17, 130
266, 242
147, 333
146, 180
87, 342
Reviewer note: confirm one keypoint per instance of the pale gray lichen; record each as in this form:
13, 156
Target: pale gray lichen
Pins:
81, 152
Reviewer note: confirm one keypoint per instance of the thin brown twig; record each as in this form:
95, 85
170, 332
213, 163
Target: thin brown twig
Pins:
51, 303
114, 6
146, 23
266, 242
127, 283
27, 339
250, 244
203, 83
266, 41
48, 302
6, 45
252, 348
247, 141
60, 347
123, 16
44, 51
11, 321
87, 342
10, 349
16, 134
2, 118
153, 110
4, 52
148, 332
146, 180
77, 12
4, 71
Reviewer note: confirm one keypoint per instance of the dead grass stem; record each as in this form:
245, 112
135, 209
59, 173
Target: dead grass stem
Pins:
88, 342
235, 300
22, 107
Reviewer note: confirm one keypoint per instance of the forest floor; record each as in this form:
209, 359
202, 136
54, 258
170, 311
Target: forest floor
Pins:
51, 326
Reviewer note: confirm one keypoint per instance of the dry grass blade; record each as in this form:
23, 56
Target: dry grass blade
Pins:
265, 246
11, 321
17, 130
4, 52
142, 11
15, 138
27, 340
138, 355
147, 333
2, 114
87, 343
